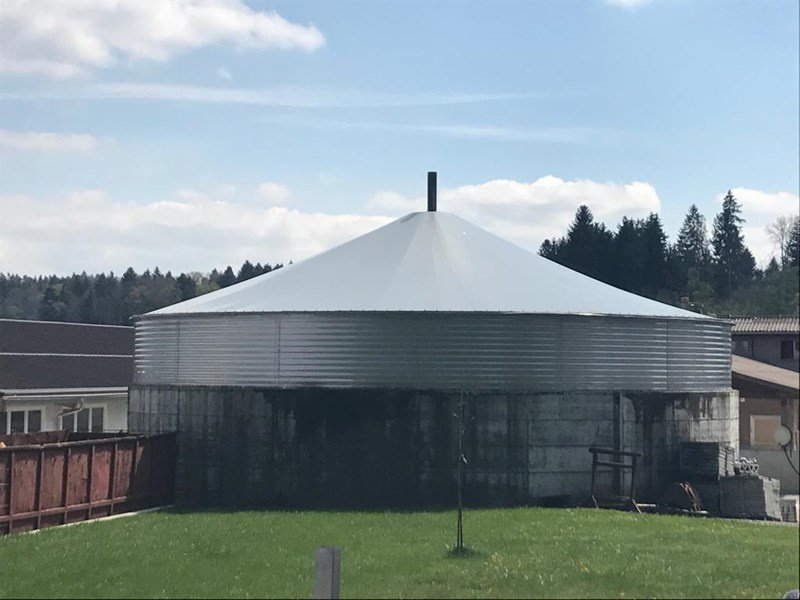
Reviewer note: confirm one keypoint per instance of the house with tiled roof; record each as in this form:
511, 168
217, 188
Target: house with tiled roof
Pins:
773, 340
56, 376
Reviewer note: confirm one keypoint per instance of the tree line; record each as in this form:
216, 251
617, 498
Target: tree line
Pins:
714, 274
108, 298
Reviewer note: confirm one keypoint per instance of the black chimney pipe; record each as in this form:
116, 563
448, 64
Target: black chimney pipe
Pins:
431, 191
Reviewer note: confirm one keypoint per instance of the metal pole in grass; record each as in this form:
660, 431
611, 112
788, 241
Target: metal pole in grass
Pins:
327, 564
460, 477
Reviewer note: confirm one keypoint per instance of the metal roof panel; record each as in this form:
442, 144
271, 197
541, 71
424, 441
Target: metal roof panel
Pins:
427, 261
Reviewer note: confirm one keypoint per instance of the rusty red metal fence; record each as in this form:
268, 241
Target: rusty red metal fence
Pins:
56, 478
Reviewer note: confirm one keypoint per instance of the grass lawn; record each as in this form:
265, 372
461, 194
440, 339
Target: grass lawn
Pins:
526, 552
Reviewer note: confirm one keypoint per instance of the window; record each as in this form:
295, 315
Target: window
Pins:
17, 421
34, 421
743, 347
97, 420
20, 421
788, 349
85, 420
762, 428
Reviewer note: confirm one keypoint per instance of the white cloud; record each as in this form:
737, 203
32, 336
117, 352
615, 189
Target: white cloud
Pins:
198, 230
75, 37
47, 141
88, 230
274, 193
766, 204
286, 96
759, 209
223, 73
529, 212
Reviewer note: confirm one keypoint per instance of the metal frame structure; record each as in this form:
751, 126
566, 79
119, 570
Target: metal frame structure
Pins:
617, 466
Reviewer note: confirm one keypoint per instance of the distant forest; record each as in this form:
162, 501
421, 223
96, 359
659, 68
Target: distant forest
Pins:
110, 299
716, 275
712, 276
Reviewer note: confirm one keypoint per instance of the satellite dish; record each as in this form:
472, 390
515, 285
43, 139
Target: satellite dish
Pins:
782, 436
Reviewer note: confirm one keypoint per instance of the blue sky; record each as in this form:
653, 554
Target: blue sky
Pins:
271, 130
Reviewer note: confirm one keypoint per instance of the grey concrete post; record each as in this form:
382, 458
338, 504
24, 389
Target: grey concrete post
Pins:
327, 563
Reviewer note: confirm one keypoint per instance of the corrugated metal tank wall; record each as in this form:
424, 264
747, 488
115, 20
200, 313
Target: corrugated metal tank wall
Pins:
446, 351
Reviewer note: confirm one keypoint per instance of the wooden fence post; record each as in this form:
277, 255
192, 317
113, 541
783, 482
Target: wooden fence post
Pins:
327, 563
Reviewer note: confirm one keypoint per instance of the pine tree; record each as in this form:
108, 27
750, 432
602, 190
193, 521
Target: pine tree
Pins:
227, 278
628, 264
53, 306
689, 259
588, 246
772, 267
248, 271
551, 248
793, 245
654, 247
734, 265
187, 288
692, 246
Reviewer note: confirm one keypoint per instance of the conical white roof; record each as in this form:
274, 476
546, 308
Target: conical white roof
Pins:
426, 261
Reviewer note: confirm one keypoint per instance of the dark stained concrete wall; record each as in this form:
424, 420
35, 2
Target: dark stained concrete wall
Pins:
376, 448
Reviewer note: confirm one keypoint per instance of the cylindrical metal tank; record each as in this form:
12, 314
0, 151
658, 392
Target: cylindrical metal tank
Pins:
335, 381
441, 351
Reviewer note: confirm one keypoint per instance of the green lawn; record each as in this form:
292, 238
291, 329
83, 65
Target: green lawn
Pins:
523, 552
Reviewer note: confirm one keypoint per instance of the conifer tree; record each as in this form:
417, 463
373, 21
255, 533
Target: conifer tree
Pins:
587, 247
227, 278
654, 259
793, 244
187, 287
248, 271
734, 265
692, 247
628, 264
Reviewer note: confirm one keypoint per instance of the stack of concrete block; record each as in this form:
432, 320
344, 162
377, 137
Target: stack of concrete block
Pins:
706, 461
750, 497
790, 508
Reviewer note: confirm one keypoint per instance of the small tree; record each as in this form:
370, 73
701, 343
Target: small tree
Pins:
460, 476
460, 417
779, 232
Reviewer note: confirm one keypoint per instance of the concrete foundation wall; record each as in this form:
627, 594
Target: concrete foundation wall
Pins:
375, 447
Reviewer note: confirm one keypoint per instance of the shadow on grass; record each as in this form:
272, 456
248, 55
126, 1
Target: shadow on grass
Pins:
221, 510
277, 508
463, 552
